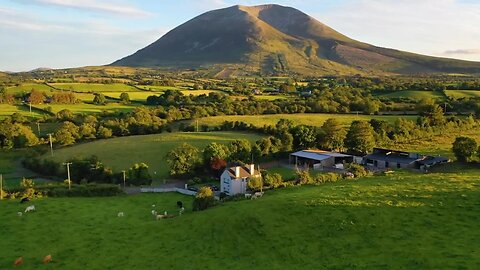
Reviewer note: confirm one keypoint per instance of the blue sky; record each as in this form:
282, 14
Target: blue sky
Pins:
72, 33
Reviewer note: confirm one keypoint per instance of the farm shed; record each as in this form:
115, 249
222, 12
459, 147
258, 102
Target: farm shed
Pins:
319, 160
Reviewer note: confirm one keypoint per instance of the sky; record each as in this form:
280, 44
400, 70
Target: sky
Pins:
74, 33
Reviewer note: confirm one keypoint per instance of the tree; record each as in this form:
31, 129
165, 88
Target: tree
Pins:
334, 135
304, 136
255, 183
304, 177
360, 138
125, 98
215, 150
104, 133
240, 150
67, 134
139, 175
464, 148
204, 199
36, 97
183, 160
99, 99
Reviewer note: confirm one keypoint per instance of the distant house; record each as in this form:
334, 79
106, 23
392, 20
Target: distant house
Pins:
234, 180
319, 160
393, 159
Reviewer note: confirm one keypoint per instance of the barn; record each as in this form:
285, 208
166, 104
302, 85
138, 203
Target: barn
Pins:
319, 160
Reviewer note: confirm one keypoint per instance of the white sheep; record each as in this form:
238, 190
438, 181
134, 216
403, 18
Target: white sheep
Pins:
30, 208
160, 216
120, 214
154, 212
181, 211
19, 214
248, 195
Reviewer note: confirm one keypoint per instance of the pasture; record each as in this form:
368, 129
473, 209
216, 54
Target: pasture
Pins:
463, 93
412, 94
121, 153
7, 110
88, 108
27, 87
313, 119
400, 221
94, 87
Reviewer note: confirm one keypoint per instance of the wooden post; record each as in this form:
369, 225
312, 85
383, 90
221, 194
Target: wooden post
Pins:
1, 186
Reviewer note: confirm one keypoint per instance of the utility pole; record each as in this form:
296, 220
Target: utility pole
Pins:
445, 108
197, 124
38, 128
51, 143
68, 174
30, 103
123, 179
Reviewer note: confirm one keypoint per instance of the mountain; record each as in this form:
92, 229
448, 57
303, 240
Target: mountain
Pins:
276, 39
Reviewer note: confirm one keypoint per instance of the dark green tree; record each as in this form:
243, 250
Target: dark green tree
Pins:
360, 138
464, 148
183, 160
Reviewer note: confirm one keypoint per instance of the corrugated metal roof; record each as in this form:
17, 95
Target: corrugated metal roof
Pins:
318, 154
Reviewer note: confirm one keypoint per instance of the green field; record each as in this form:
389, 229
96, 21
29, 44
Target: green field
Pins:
313, 119
463, 93
412, 94
121, 153
7, 110
400, 221
27, 87
94, 87
88, 108
137, 96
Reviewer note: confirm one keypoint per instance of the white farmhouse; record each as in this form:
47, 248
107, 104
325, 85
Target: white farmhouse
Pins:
234, 180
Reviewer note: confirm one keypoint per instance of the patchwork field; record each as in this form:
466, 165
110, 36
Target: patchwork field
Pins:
463, 93
88, 108
27, 87
121, 153
400, 221
314, 119
7, 110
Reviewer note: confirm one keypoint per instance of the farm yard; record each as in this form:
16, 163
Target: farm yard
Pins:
121, 153
421, 221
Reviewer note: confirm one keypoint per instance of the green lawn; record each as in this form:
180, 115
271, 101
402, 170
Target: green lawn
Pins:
314, 119
121, 153
94, 87
412, 94
400, 221
463, 93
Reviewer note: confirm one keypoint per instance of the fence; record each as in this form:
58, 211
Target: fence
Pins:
164, 190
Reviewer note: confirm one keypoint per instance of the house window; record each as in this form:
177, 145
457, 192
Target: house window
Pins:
375, 163
398, 165
387, 164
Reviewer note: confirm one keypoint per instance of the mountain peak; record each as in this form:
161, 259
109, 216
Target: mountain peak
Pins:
277, 39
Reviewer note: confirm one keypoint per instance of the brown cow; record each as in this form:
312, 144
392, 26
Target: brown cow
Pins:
18, 261
47, 259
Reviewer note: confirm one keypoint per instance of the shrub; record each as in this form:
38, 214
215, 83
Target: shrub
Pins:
357, 170
304, 177
273, 180
327, 177
204, 199
464, 148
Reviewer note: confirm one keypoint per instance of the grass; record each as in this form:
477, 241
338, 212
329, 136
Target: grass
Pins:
27, 87
314, 119
122, 153
463, 93
137, 96
95, 87
7, 110
412, 94
88, 108
401, 221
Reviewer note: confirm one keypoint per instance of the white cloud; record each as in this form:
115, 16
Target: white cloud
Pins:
429, 26
113, 7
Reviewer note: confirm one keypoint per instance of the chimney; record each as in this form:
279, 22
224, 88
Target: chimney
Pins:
252, 169
237, 172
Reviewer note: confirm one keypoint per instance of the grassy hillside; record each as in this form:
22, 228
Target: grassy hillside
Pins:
401, 221
122, 153
463, 93
314, 119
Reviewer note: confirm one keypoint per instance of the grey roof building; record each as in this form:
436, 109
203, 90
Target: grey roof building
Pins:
393, 159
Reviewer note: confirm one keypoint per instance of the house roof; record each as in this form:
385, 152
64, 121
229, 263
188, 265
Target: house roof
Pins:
318, 154
430, 161
244, 172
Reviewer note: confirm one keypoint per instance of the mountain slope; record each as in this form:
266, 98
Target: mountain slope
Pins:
277, 39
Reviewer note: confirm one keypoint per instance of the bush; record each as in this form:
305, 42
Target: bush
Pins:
464, 148
326, 178
273, 180
304, 177
357, 170
204, 199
